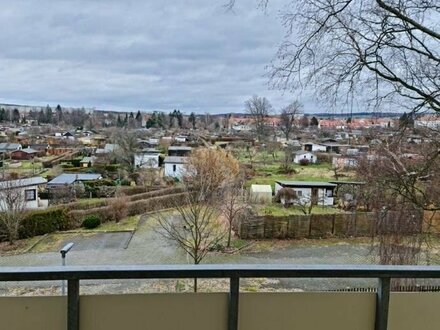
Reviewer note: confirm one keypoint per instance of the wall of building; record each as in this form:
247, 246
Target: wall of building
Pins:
305, 195
178, 173
310, 157
29, 204
146, 160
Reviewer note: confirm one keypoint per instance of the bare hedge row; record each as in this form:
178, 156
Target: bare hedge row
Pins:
145, 194
105, 213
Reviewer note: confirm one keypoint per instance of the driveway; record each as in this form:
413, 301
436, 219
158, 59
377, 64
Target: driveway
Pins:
148, 246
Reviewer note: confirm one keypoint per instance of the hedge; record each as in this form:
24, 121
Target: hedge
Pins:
157, 193
134, 208
129, 191
134, 197
44, 221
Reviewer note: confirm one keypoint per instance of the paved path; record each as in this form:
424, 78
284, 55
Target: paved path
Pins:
147, 246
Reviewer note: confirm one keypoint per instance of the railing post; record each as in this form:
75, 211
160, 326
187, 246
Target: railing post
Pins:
382, 303
73, 305
234, 291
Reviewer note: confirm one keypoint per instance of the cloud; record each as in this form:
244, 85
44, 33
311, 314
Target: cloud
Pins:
129, 55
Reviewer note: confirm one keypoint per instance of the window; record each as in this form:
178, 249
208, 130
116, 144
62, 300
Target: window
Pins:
174, 168
329, 193
30, 194
299, 193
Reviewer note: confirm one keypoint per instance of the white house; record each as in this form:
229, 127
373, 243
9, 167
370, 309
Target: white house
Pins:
28, 187
304, 155
175, 166
314, 147
147, 159
320, 193
181, 138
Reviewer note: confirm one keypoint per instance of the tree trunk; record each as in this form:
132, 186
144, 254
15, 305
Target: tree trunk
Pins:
229, 236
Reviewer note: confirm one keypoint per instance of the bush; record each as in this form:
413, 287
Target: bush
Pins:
129, 191
44, 221
112, 168
91, 221
324, 157
304, 162
118, 208
125, 182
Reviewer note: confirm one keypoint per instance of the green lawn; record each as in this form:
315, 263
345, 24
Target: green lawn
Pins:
127, 224
25, 168
278, 210
270, 173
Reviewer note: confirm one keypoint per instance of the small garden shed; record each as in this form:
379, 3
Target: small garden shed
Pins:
260, 194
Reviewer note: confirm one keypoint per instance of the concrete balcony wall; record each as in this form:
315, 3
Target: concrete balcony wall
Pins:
258, 311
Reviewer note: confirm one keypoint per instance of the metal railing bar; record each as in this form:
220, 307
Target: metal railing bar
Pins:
382, 304
234, 293
73, 305
215, 271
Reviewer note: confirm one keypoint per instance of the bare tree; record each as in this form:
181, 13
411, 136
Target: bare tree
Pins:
209, 170
375, 49
287, 165
233, 204
194, 227
306, 204
286, 196
288, 118
12, 208
127, 145
259, 108
402, 185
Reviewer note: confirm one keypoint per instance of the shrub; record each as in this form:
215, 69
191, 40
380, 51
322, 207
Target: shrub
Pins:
304, 162
324, 157
125, 182
91, 221
44, 221
112, 167
118, 208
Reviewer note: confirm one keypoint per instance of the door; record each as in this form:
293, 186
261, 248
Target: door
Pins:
314, 196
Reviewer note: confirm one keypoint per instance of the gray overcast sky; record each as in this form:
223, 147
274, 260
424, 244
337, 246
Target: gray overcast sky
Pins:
191, 55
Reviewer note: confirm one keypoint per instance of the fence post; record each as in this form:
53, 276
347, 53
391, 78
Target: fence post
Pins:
234, 291
382, 303
73, 304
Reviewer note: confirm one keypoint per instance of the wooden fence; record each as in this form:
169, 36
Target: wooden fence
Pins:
307, 226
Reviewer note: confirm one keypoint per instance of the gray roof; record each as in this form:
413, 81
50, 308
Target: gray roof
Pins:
334, 144
354, 183
69, 178
9, 146
184, 148
28, 150
306, 184
23, 182
150, 151
176, 160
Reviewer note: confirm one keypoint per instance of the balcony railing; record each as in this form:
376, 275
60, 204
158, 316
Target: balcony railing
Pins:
74, 274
